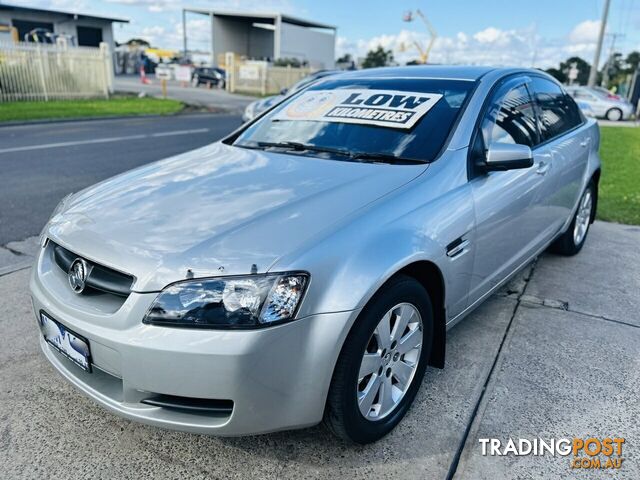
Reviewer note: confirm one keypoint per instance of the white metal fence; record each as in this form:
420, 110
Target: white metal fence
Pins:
260, 77
30, 71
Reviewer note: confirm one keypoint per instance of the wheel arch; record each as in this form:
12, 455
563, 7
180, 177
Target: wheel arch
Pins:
430, 277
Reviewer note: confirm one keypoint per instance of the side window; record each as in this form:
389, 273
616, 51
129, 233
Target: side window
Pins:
510, 118
557, 111
582, 95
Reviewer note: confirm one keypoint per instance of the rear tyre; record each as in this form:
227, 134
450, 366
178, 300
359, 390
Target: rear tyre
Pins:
382, 363
614, 114
573, 239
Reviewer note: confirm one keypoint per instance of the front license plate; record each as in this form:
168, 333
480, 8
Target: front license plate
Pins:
65, 341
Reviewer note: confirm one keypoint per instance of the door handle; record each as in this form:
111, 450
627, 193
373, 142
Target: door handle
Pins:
457, 247
585, 142
543, 167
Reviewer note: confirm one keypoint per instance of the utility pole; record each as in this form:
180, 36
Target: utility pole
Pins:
184, 32
596, 58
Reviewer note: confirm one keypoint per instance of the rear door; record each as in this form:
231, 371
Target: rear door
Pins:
564, 143
508, 221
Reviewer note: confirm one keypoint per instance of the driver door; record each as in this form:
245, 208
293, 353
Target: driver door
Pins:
507, 203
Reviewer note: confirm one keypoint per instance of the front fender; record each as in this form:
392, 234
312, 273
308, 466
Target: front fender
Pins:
352, 280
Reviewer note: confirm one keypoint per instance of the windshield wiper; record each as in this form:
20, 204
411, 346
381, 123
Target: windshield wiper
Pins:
300, 147
384, 157
358, 156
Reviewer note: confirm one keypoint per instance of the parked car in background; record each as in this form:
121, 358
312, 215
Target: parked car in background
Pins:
603, 103
586, 109
213, 76
309, 265
607, 93
257, 107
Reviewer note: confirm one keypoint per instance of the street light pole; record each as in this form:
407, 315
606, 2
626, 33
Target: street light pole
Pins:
596, 58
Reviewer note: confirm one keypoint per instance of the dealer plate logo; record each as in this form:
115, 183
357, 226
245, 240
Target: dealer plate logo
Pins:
77, 275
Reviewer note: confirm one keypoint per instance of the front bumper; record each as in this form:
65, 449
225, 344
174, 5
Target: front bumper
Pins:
277, 378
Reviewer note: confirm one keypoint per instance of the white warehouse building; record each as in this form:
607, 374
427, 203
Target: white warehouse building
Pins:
84, 30
268, 36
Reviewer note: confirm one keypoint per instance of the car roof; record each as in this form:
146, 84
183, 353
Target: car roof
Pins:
451, 72
323, 73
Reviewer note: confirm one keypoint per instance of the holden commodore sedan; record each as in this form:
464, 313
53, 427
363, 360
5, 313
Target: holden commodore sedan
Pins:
308, 266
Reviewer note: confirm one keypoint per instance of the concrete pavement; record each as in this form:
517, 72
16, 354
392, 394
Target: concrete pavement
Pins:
555, 354
626, 123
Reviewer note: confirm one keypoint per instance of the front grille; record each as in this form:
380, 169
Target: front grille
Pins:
100, 278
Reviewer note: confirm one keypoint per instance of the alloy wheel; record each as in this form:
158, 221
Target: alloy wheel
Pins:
583, 217
389, 361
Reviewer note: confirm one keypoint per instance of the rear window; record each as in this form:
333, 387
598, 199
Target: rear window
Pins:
557, 111
421, 138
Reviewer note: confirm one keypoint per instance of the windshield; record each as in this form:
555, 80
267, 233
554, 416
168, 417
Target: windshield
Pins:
407, 119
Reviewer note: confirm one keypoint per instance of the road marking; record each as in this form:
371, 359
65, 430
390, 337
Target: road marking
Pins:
179, 132
45, 146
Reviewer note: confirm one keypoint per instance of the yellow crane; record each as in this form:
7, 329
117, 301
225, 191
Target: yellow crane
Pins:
423, 51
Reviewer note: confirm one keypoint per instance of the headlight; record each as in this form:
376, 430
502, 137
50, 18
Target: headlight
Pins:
250, 301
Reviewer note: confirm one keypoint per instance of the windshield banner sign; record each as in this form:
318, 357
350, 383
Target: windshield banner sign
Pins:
384, 108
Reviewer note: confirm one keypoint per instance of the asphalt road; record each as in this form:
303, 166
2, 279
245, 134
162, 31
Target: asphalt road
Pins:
214, 98
41, 163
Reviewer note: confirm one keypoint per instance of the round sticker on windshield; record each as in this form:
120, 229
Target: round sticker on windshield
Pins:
311, 105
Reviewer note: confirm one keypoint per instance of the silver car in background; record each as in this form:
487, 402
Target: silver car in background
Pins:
602, 103
308, 267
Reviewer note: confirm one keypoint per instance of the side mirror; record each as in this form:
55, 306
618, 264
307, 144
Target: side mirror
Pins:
508, 156
284, 91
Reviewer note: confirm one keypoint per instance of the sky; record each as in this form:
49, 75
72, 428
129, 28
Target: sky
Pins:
538, 33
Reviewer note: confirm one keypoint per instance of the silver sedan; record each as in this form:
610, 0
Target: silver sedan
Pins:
308, 267
602, 103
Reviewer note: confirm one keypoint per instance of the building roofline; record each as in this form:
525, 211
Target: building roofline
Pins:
75, 15
265, 15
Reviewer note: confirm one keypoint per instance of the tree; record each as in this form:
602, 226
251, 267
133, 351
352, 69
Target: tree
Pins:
632, 61
557, 74
346, 58
289, 62
378, 58
562, 72
137, 42
582, 66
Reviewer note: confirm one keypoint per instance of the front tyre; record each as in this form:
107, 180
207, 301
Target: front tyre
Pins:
573, 239
382, 363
